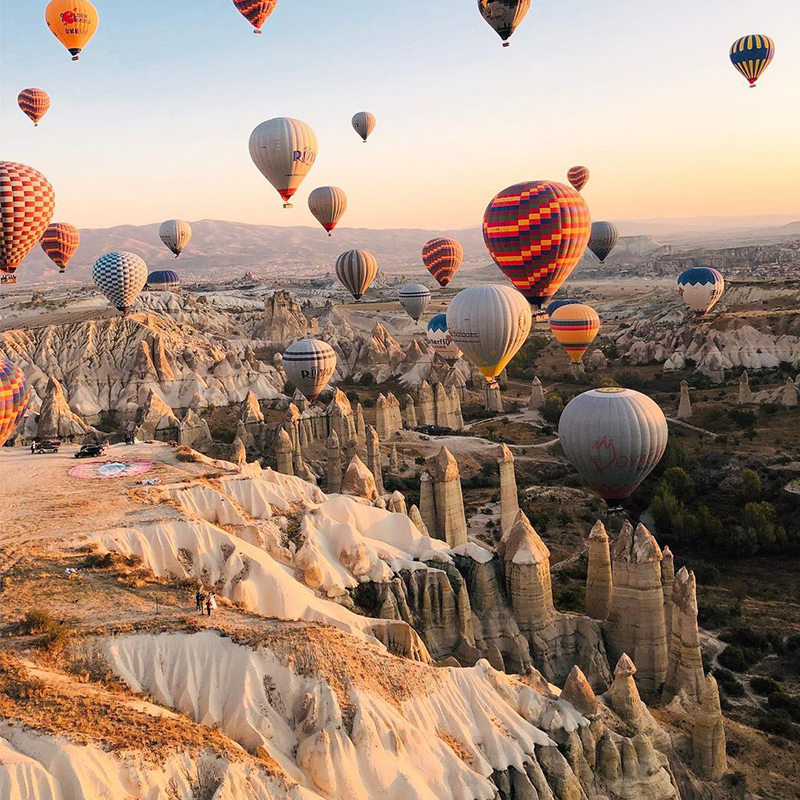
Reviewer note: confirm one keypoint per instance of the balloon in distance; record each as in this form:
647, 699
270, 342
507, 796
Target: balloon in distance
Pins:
309, 364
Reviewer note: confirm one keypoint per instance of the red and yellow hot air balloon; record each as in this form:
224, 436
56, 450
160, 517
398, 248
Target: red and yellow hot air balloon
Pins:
60, 241
256, 12
73, 23
578, 177
34, 104
536, 232
575, 327
14, 396
443, 257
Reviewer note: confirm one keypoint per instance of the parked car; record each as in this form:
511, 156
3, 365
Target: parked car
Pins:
91, 451
44, 447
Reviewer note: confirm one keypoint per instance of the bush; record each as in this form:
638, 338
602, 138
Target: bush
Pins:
352, 396
679, 482
289, 388
523, 366
729, 683
751, 486
736, 658
743, 417
764, 686
779, 723
717, 616
54, 634
108, 421
367, 379
784, 702
552, 408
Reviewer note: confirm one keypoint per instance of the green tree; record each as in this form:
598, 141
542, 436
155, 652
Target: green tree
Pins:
552, 408
760, 518
751, 487
680, 482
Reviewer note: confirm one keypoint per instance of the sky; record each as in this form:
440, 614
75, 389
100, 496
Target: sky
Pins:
154, 121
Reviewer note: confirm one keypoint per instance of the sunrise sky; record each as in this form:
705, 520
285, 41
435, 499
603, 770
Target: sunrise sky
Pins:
154, 121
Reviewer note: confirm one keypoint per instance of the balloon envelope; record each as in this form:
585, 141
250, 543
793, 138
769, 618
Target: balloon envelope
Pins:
490, 324
175, 233
575, 326
536, 232
603, 239
255, 11
327, 204
504, 15
440, 339
163, 280
309, 364
73, 23
284, 150
414, 297
34, 103
614, 438
578, 177
120, 276
363, 124
555, 304
26, 208
59, 242
751, 55
356, 269
701, 288
443, 257
14, 396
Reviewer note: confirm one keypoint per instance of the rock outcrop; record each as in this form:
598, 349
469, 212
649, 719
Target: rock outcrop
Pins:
57, 420
599, 583
537, 394
685, 666
745, 393
451, 523
388, 416
333, 463
374, 457
157, 420
284, 452
492, 399
685, 406
194, 432
359, 481
509, 499
708, 735
789, 394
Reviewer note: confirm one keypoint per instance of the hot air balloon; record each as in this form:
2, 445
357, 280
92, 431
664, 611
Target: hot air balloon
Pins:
443, 257
255, 11
558, 303
356, 269
414, 297
364, 124
490, 324
14, 396
284, 150
120, 276
701, 288
575, 327
26, 208
440, 339
34, 104
163, 280
751, 55
327, 204
603, 239
309, 364
73, 23
578, 177
614, 438
175, 233
536, 232
60, 241
504, 15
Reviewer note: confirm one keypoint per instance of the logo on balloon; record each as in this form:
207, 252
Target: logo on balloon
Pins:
68, 17
305, 156
604, 454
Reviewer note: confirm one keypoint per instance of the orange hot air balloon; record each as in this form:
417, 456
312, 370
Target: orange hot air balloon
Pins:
575, 327
73, 23
578, 177
34, 103
443, 257
60, 241
14, 397
255, 11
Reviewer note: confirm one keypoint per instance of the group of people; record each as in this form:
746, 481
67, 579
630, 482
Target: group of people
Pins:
205, 602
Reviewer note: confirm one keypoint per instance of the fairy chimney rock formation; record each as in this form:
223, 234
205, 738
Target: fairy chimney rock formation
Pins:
241, 431
283, 452
425, 409
578, 692
353, 448
427, 504
56, 419
415, 516
745, 393
193, 431
685, 666
623, 696
708, 735
599, 583
509, 500
340, 414
685, 406
409, 412
789, 397
492, 399
291, 424
454, 407
440, 405
395, 464
667, 579
374, 457
597, 361
455, 380
358, 481
537, 394
388, 418
361, 428
334, 463
636, 622
451, 522
238, 454
157, 420
397, 503
250, 411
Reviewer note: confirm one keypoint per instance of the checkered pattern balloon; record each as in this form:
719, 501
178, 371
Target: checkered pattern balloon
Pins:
14, 396
443, 257
60, 241
26, 207
121, 278
255, 11
536, 233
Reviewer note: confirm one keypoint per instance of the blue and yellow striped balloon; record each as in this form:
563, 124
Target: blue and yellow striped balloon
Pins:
751, 55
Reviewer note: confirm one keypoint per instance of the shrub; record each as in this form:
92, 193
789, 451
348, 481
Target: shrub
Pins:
367, 379
729, 683
352, 396
764, 686
54, 634
736, 658
751, 486
778, 723
679, 481
743, 417
289, 388
552, 408
791, 705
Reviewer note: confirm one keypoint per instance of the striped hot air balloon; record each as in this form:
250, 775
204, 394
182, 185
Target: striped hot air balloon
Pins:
60, 241
441, 341
255, 12
284, 150
163, 280
614, 438
309, 364
504, 15
175, 233
14, 396
751, 55
575, 327
536, 232
701, 288
26, 208
327, 204
363, 124
120, 276
603, 239
443, 257
558, 303
73, 23
34, 103
356, 269
414, 297
578, 177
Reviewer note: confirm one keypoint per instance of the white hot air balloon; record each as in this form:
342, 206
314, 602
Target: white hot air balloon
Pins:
356, 269
309, 364
327, 204
364, 124
441, 341
701, 288
120, 276
175, 233
284, 150
614, 438
414, 297
490, 324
